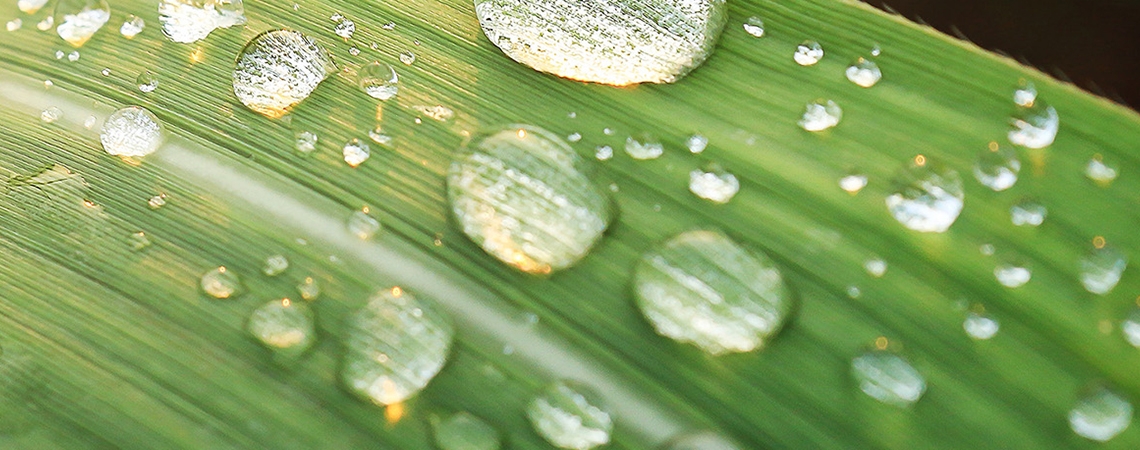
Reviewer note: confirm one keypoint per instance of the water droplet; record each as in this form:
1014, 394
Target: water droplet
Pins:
278, 69
356, 152
1102, 268
463, 431
157, 201
15, 24
30, 6
808, 53
275, 265
378, 136
284, 326
89, 122
854, 291
696, 143
379, 80
186, 21
389, 26
1034, 127
821, 115
569, 416
345, 28
1099, 171
354, 51
131, 132
607, 42
1025, 95
336, 17
927, 197
51, 114
701, 287
106, 72
138, 241
997, 167
46, 23
132, 26
608, 131
73, 56
1100, 416
309, 289
875, 267
1027, 213
876, 50
221, 283
853, 183
79, 19
362, 225
754, 26
704, 440
437, 112
1131, 328
395, 345
980, 326
716, 185
864, 73
888, 378
59, 54
574, 137
604, 152
408, 58
147, 81
644, 146
521, 194
305, 141
986, 249
1012, 275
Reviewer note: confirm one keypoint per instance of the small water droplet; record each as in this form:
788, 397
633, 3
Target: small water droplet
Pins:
701, 287
30, 6
278, 69
1100, 416
391, 353
986, 249
864, 72
608, 131
131, 132
46, 23
1027, 213
644, 146
876, 50
1099, 171
715, 185
980, 326
1034, 127
356, 152
875, 267
408, 58
157, 201
354, 51
853, 183
89, 122
754, 26
379, 80
51, 114
696, 143
305, 141
284, 326
1102, 268
1131, 328
463, 431
187, 21
336, 17
888, 378
59, 54
389, 26
378, 136
569, 416
275, 265
147, 81
821, 115
15, 24
138, 241
854, 291
1012, 275
997, 167
73, 56
808, 53
79, 19
520, 192
132, 26
345, 28
106, 72
927, 197
436, 112
604, 152
309, 289
221, 283
362, 225
1026, 95
574, 137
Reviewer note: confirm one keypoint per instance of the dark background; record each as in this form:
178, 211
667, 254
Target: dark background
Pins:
1092, 43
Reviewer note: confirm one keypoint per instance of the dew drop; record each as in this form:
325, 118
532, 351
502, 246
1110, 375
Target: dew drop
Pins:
157, 201
221, 283
275, 265
997, 167
46, 23
131, 132
408, 58
702, 288
1034, 127
644, 146
986, 249
356, 152
59, 54
927, 197
864, 73
574, 137
73, 56
1100, 416
1012, 275
1025, 96
309, 289
284, 326
703, 440
15, 24
604, 152
980, 326
1101, 269
436, 112
875, 267
362, 225
876, 50
696, 143
305, 141
1027, 213
354, 51
754, 26
138, 241
888, 378
79, 19
608, 131
187, 21
89, 122
1131, 328
30, 6
853, 183
379, 80
1099, 171
106, 72
395, 345
854, 291
378, 136
389, 26
51, 114
808, 53
821, 115
463, 431
521, 193
345, 28
278, 69
147, 81
569, 416
132, 26
715, 185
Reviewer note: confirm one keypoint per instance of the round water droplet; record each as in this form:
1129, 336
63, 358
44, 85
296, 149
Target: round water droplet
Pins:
278, 69
463, 431
1131, 328
147, 81
610, 41
186, 21
980, 326
521, 193
305, 141
644, 146
345, 28
309, 289
997, 167
701, 287
864, 72
15, 24
51, 114
221, 283
1027, 213
1012, 275
1101, 269
927, 197
362, 225
132, 26
275, 265
408, 58
378, 136
754, 26
1099, 171
696, 143
379, 80
356, 152
79, 19
569, 416
716, 185
1100, 416
131, 132
394, 346
604, 152
821, 115
284, 326
853, 183
1025, 95
808, 53
73, 56
30, 6
888, 378
875, 267
1034, 127
704, 440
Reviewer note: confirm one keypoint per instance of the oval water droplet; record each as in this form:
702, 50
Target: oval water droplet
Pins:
394, 346
157, 201
284, 326
221, 283
1034, 127
305, 141
131, 132
408, 58
927, 197
355, 152
1131, 328
821, 115
696, 143
275, 265
78, 20
888, 378
278, 69
715, 185
704, 440
570, 416
51, 114
864, 72
73, 56
132, 26
980, 326
853, 183
1102, 268
997, 167
45, 24
754, 26
610, 42
379, 80
1099, 171
14, 24
808, 53
187, 21
1012, 275
362, 225
644, 146
463, 431
522, 194
1100, 416
702, 288
1027, 213
147, 81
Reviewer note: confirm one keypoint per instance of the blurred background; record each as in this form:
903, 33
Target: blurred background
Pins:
1093, 43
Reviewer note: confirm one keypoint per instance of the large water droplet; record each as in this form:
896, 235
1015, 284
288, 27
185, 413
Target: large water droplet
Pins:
821, 115
131, 132
78, 20
379, 80
703, 288
355, 152
569, 416
284, 326
1027, 213
395, 345
644, 146
980, 326
278, 69
132, 26
221, 282
997, 167
888, 378
864, 72
716, 185
463, 431
609, 41
808, 53
927, 196
1100, 416
754, 26
1101, 269
521, 193
1035, 127
187, 21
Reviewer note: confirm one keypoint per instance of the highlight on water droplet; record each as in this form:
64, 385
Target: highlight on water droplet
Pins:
46, 23
1101, 268
394, 346
888, 378
927, 197
436, 112
379, 80
221, 282
608, 42
362, 225
1099, 171
275, 265
283, 326
1100, 416
808, 53
51, 114
131, 132
305, 141
570, 416
463, 431
980, 326
821, 115
147, 81
277, 70
716, 185
132, 26
696, 143
700, 287
73, 56
864, 72
1012, 275
78, 20
1027, 213
187, 21
355, 152
997, 167
754, 26
1034, 127
522, 194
